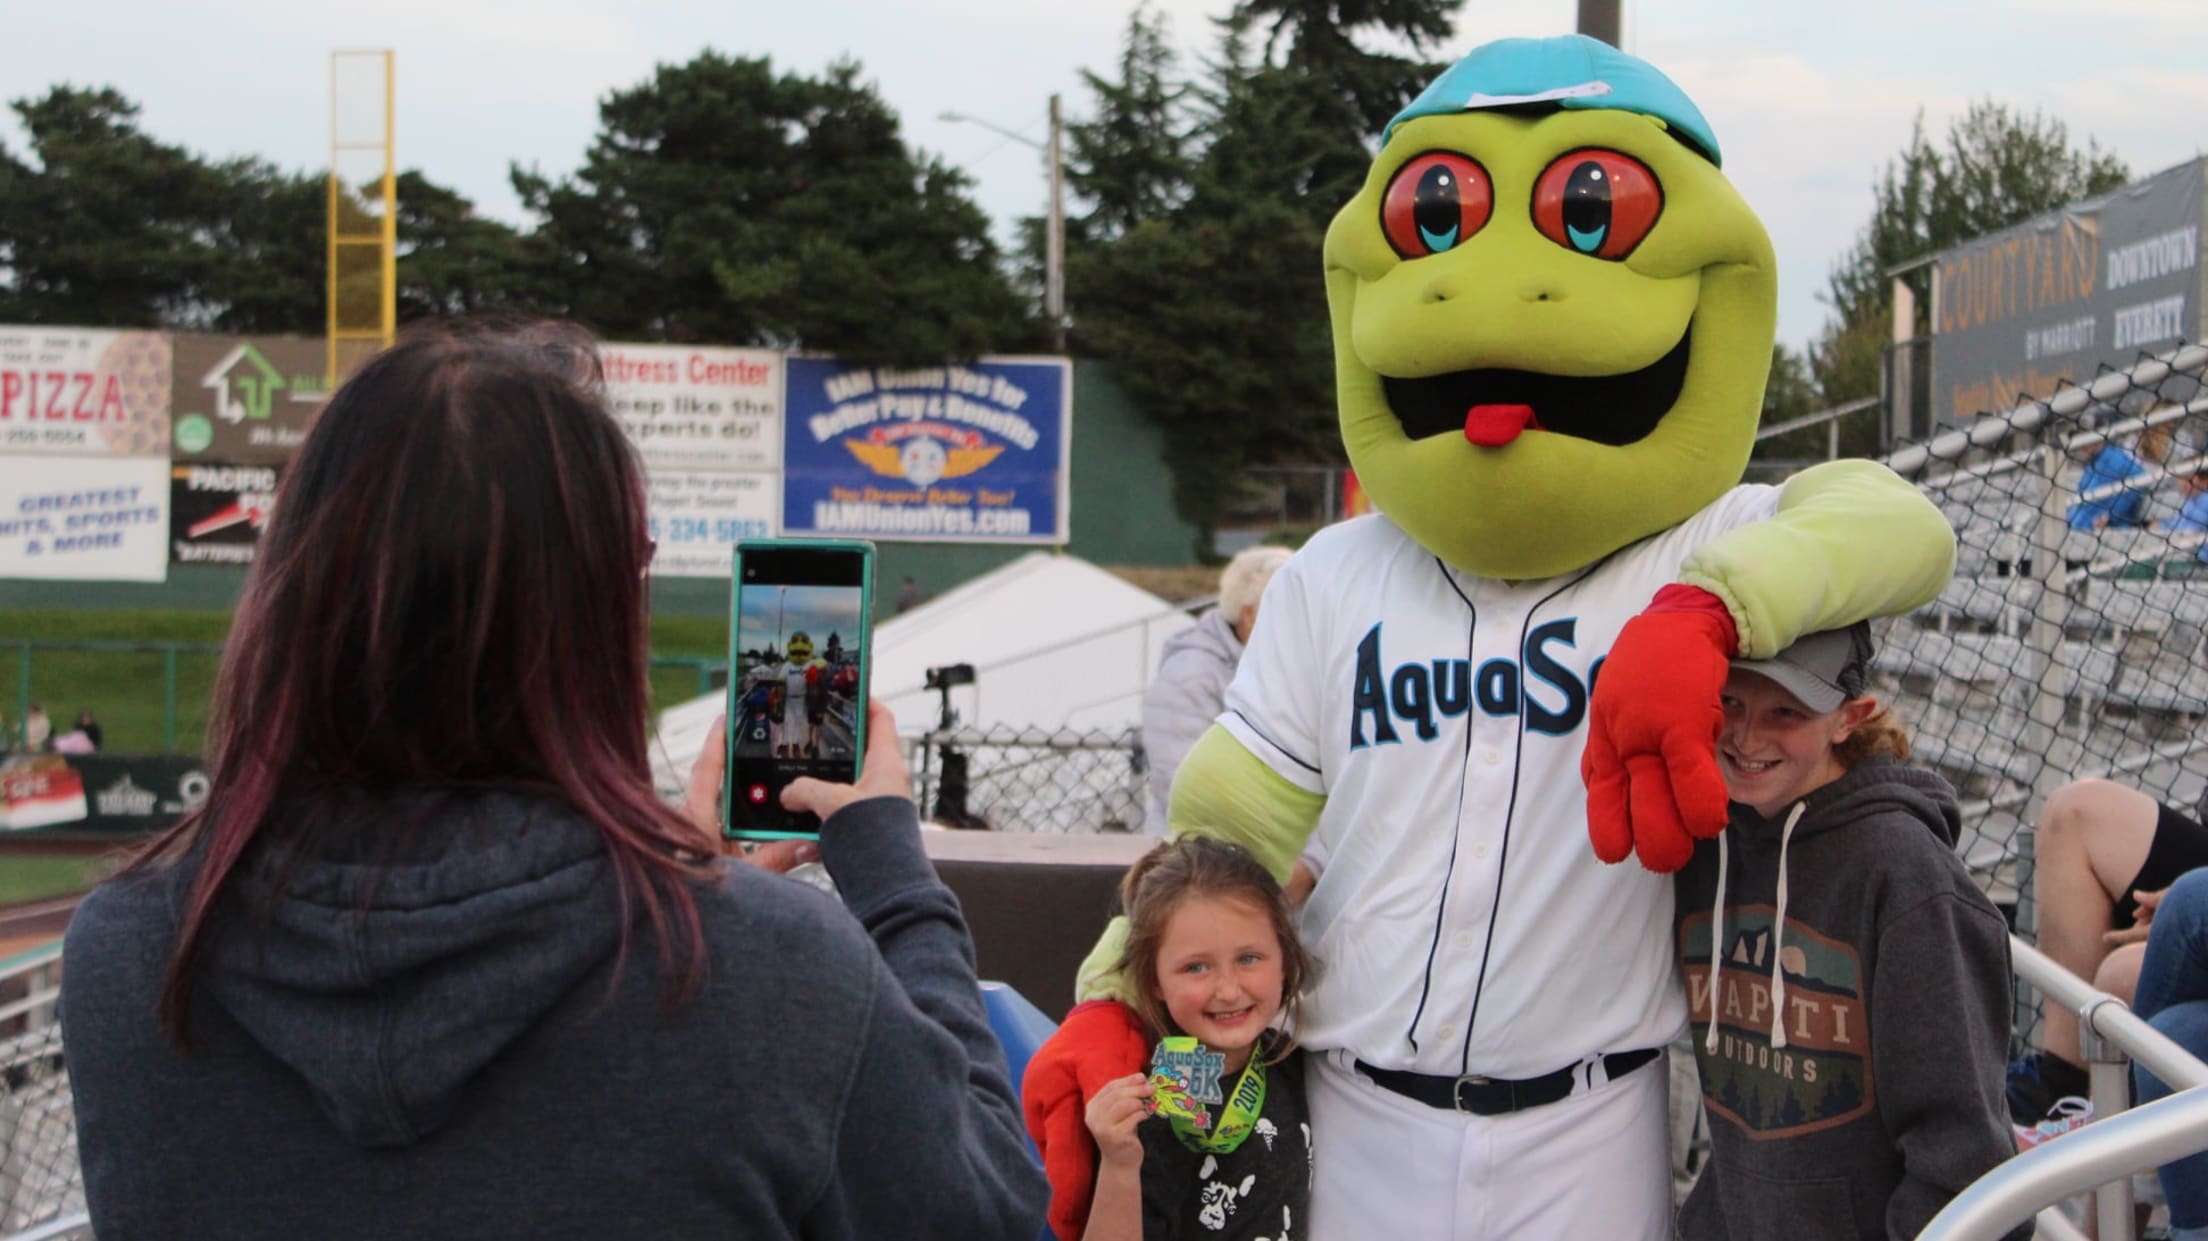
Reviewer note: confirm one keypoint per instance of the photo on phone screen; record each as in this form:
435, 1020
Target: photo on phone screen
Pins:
798, 677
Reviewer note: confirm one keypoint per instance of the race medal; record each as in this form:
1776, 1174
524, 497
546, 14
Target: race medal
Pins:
1184, 1076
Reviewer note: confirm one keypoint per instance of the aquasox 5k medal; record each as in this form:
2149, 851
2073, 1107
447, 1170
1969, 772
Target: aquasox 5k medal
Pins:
1184, 1078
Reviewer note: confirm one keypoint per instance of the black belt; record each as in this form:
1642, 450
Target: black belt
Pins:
1490, 1096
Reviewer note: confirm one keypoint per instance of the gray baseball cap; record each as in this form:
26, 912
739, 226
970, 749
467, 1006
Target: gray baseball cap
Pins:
1822, 669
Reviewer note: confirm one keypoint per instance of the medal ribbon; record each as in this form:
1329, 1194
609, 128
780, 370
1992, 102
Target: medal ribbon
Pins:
1237, 1116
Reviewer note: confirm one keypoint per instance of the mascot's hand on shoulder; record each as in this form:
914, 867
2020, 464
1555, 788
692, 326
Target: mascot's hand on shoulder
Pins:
1651, 760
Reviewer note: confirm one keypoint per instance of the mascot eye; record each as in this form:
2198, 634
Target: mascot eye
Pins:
1597, 202
1434, 203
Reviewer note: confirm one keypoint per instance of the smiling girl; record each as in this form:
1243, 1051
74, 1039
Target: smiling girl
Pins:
1213, 943
1848, 981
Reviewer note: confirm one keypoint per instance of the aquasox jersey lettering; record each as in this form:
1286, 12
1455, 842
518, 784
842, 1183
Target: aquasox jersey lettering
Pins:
1464, 923
1822, 1078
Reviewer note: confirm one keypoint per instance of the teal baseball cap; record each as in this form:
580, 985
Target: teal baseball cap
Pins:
1569, 71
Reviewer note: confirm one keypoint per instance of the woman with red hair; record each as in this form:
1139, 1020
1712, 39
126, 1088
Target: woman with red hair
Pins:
433, 960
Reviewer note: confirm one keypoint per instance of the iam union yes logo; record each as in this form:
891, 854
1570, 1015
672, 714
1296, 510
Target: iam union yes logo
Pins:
923, 453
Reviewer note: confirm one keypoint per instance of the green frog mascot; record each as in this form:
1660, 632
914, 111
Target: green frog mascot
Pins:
1552, 320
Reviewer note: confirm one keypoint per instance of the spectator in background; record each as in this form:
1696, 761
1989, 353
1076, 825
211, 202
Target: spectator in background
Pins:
2107, 464
2192, 514
1191, 683
908, 596
2103, 854
91, 729
73, 742
2173, 997
37, 730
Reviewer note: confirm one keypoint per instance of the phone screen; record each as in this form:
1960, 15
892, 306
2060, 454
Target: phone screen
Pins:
797, 678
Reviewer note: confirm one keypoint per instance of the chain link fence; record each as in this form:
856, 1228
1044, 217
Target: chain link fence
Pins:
2069, 643
41, 1183
1030, 780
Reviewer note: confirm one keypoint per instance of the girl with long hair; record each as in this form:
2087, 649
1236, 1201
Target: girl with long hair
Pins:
434, 960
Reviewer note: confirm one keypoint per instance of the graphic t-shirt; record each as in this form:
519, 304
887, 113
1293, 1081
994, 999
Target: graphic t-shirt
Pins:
1259, 1191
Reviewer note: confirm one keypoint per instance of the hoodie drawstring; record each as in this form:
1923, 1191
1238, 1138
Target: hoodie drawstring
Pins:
1778, 934
1717, 943
1778, 938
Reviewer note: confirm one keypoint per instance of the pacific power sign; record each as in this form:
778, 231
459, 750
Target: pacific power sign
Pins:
122, 453
2059, 296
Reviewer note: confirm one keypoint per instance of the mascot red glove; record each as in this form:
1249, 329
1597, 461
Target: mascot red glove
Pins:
1653, 786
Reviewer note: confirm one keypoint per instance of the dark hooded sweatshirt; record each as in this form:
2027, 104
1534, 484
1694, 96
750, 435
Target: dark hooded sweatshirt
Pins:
1858, 1089
447, 1043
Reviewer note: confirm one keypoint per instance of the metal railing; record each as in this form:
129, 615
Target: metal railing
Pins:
41, 1182
2102, 1156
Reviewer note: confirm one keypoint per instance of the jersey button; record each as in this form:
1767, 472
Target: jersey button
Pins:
1464, 939
1494, 759
1446, 1033
1479, 851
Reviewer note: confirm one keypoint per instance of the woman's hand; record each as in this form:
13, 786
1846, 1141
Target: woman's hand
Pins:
883, 774
1112, 1116
701, 804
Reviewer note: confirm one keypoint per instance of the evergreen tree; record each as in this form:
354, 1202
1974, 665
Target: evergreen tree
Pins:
107, 226
1208, 302
1996, 168
724, 202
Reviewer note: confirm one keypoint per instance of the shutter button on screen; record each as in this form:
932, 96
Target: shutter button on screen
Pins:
758, 794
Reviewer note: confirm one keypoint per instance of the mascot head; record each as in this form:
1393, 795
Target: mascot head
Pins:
801, 647
1552, 314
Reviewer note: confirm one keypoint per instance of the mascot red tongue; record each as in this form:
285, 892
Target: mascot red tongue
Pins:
1492, 426
1419, 707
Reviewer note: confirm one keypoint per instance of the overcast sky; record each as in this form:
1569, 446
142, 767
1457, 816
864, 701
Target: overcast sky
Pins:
1808, 100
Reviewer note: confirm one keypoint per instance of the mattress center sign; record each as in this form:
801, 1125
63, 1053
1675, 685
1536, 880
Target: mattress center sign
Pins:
974, 453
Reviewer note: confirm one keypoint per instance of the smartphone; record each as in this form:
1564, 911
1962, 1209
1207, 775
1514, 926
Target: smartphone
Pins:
800, 653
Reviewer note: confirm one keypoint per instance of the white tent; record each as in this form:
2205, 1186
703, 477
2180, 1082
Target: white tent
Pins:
1055, 642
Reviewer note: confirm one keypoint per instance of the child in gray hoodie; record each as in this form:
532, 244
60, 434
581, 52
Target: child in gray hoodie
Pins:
1848, 982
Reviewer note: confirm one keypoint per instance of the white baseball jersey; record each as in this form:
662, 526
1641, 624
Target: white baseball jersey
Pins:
1462, 923
793, 700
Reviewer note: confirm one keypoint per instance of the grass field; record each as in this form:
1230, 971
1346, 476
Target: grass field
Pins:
30, 877
126, 689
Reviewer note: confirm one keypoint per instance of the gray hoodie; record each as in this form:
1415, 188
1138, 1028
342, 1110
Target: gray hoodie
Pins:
446, 1042
1184, 697
1852, 1060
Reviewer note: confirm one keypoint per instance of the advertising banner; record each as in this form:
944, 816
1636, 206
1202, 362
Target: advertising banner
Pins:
216, 512
84, 518
246, 399
82, 392
952, 454
2059, 296
697, 408
697, 519
125, 795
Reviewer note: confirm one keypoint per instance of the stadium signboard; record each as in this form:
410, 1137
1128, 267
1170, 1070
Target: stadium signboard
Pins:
2063, 295
943, 454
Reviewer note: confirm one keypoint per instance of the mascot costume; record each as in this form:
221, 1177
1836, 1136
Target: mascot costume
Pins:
1552, 322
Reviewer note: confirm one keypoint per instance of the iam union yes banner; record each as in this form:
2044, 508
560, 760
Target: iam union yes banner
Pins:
973, 453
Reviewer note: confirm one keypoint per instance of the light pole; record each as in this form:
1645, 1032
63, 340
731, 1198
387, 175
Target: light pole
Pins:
1054, 236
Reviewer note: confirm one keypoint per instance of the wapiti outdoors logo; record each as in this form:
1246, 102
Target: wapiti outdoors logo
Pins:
1822, 1077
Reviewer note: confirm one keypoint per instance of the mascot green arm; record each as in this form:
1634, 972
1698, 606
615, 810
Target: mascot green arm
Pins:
1851, 540
1223, 791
